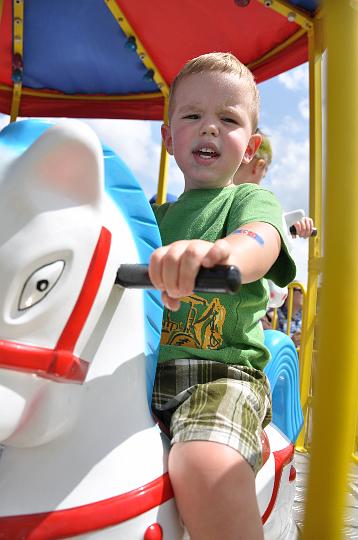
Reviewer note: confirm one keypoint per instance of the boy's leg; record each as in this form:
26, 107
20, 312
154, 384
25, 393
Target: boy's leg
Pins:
215, 491
216, 414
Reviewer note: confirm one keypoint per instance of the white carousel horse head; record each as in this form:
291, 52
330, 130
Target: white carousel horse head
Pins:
77, 351
61, 241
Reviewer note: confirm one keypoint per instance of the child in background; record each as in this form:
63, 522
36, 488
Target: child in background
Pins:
255, 171
210, 389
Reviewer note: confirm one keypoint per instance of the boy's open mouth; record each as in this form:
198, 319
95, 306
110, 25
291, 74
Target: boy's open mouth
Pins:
205, 152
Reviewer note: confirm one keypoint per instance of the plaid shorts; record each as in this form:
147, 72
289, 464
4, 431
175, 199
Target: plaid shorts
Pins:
203, 400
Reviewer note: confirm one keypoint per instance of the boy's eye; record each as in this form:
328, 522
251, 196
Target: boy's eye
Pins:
191, 116
230, 120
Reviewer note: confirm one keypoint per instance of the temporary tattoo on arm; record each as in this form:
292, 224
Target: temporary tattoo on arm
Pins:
252, 234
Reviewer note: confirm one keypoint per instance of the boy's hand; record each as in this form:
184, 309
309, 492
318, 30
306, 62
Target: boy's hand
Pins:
304, 227
173, 268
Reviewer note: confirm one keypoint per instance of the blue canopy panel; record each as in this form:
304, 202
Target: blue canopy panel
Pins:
308, 5
82, 40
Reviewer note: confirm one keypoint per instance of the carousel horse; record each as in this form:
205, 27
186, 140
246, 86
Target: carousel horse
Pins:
81, 455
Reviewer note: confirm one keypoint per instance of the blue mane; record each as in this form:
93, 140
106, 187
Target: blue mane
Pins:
124, 189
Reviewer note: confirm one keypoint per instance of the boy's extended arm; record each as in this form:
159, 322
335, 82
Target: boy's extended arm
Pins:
253, 248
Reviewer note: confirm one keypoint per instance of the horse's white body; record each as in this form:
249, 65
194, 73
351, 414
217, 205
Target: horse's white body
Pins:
82, 455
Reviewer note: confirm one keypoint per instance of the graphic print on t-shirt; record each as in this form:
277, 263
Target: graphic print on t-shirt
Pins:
198, 324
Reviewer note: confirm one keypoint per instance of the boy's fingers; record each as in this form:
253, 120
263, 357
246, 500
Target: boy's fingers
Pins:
164, 265
219, 253
190, 264
301, 228
182, 263
171, 269
155, 267
304, 227
309, 224
298, 226
171, 303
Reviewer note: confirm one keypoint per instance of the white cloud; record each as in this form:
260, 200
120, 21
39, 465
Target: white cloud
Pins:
303, 107
288, 125
289, 176
4, 120
295, 79
137, 143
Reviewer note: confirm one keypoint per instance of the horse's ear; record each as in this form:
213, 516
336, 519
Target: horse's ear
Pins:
67, 159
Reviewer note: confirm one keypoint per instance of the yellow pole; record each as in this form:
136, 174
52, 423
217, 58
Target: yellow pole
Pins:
164, 165
315, 47
18, 38
289, 310
335, 405
297, 15
163, 176
1, 8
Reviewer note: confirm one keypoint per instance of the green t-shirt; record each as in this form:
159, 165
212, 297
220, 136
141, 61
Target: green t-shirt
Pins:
221, 327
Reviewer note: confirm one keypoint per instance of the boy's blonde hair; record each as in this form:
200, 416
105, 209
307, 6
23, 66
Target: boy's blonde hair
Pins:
222, 63
265, 150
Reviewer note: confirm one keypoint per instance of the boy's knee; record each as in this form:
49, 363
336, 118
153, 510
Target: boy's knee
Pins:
207, 463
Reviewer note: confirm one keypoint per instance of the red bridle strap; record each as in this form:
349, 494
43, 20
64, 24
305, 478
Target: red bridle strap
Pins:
61, 364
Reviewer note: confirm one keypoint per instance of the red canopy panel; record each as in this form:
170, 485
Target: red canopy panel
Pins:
176, 31
292, 56
171, 32
148, 109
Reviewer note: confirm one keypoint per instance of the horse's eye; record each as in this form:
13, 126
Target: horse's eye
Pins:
40, 283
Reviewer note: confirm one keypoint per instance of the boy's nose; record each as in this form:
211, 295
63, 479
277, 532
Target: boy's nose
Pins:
209, 129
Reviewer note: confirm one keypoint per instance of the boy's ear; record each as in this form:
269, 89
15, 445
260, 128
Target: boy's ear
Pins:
252, 147
167, 138
260, 164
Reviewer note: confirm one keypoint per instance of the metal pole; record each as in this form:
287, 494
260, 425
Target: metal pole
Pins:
164, 164
335, 404
315, 48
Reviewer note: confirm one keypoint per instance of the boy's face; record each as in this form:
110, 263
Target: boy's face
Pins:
210, 129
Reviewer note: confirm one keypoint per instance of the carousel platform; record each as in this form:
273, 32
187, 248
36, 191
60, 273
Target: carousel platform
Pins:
351, 511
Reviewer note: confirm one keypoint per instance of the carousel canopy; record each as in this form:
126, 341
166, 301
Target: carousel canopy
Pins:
117, 58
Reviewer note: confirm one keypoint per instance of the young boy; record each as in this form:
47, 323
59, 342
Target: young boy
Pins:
210, 388
255, 171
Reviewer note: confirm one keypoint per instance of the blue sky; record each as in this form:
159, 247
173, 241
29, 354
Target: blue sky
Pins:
284, 118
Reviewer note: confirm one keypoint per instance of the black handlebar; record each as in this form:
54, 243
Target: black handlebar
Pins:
220, 279
293, 231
